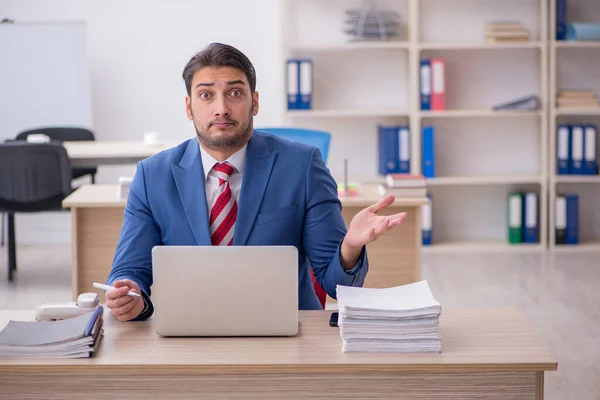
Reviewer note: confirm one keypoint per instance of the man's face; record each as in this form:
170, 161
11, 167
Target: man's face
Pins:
222, 107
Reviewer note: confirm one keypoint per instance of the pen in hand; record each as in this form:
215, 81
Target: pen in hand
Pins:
106, 287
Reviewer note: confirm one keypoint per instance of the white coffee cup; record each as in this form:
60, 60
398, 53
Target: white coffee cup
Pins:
151, 138
38, 138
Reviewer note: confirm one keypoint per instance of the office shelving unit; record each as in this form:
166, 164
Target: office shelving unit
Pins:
573, 65
481, 154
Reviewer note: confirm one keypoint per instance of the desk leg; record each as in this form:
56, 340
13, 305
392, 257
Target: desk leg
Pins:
539, 391
395, 257
95, 236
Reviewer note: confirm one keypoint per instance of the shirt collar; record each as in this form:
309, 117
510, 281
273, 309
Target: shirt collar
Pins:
237, 160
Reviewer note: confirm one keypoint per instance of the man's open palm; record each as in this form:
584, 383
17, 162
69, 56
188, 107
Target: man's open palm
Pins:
367, 225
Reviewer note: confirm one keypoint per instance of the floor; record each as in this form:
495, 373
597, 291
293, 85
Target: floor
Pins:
559, 294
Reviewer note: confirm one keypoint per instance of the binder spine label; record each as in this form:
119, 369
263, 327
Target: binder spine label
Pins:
404, 149
292, 85
427, 222
306, 84
560, 220
425, 85
515, 218
590, 155
577, 150
530, 234
562, 150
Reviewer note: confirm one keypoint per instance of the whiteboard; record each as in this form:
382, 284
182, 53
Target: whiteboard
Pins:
44, 77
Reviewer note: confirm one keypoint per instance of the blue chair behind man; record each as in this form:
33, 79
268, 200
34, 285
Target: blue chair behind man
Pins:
320, 140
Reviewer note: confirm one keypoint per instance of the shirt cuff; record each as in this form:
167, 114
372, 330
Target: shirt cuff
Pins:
148, 308
358, 264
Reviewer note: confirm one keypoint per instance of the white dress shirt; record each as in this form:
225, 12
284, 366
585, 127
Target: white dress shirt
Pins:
211, 181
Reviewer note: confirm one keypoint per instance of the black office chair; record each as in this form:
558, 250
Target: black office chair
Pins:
66, 134
33, 177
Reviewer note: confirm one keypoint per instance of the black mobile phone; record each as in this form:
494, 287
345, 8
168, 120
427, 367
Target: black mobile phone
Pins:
333, 321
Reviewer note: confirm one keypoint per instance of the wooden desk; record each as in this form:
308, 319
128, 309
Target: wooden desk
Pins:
97, 216
487, 354
94, 153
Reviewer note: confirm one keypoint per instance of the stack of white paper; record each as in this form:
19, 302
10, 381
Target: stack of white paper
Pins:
397, 319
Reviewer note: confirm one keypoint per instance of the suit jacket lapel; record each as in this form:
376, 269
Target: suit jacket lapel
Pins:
257, 171
189, 179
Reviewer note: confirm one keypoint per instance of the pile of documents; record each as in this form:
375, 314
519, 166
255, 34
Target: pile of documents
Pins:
403, 185
401, 319
502, 32
77, 337
577, 99
372, 23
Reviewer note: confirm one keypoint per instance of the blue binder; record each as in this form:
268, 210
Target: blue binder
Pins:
306, 83
572, 201
577, 149
563, 149
293, 84
561, 19
404, 149
530, 217
388, 150
428, 151
590, 154
425, 84
427, 222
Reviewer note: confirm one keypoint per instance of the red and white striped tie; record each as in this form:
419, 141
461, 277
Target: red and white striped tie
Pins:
223, 212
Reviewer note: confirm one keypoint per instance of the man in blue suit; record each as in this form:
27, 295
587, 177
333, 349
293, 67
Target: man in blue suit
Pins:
236, 186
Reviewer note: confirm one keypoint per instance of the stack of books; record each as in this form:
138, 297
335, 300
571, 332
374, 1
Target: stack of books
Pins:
401, 319
577, 99
403, 185
77, 337
503, 32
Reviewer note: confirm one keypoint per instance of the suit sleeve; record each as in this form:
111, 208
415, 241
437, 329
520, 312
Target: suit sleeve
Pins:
139, 234
324, 230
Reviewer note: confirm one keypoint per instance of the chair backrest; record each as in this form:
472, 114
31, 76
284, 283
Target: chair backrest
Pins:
319, 139
33, 176
60, 134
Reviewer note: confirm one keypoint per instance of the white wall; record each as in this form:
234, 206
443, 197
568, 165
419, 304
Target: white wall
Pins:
137, 50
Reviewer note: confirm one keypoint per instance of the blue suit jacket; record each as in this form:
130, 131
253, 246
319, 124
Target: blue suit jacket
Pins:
287, 197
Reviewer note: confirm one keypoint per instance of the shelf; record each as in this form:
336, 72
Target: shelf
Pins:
351, 46
576, 44
480, 46
478, 114
346, 113
582, 111
477, 246
479, 74
577, 178
582, 247
483, 180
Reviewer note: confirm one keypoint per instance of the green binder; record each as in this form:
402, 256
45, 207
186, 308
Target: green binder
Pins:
515, 218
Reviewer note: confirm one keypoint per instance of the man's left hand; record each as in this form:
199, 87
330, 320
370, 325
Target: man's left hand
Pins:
367, 225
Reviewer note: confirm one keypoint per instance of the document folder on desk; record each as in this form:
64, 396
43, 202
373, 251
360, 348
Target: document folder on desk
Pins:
76, 337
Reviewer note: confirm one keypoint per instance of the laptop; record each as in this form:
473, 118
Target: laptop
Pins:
225, 290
